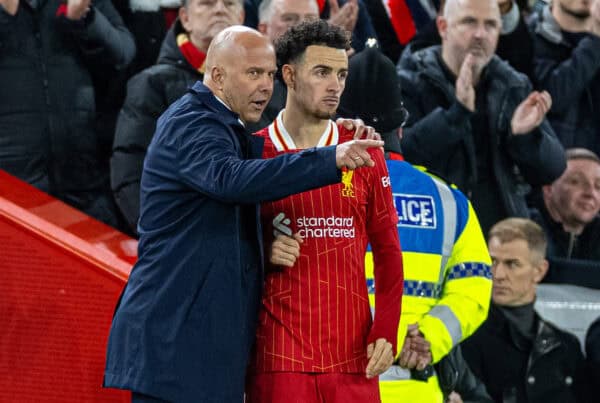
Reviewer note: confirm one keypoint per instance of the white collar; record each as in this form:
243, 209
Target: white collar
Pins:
284, 142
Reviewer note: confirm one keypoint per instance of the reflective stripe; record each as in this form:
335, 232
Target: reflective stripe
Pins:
395, 373
470, 269
450, 222
445, 314
425, 289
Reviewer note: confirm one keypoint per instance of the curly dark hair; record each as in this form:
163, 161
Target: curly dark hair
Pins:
290, 46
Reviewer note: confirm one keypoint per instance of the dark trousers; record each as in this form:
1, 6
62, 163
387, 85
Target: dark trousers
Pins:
139, 398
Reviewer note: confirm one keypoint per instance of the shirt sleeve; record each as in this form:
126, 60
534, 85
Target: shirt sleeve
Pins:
385, 244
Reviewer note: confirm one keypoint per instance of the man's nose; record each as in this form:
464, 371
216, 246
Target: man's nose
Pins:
220, 6
480, 31
336, 84
498, 271
266, 83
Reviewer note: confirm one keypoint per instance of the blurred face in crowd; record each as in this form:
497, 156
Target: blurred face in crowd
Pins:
516, 271
203, 19
469, 26
285, 14
317, 80
579, 9
575, 196
245, 76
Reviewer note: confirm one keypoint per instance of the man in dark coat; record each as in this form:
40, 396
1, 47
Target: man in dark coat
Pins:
567, 65
473, 118
150, 93
186, 320
519, 356
569, 215
47, 106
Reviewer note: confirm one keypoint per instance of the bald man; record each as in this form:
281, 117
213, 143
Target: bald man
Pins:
185, 322
474, 119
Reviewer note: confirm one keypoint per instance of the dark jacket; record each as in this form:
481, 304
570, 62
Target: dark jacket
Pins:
186, 320
592, 350
47, 105
553, 371
565, 244
149, 94
574, 259
570, 72
439, 133
454, 375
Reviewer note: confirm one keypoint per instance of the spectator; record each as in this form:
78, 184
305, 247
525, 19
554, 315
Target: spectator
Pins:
569, 217
592, 350
149, 93
447, 267
473, 117
276, 17
185, 323
310, 342
351, 15
47, 105
397, 22
414, 25
567, 65
518, 355
148, 22
515, 44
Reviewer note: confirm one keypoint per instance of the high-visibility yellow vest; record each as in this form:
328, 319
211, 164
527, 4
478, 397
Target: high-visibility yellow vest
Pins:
447, 277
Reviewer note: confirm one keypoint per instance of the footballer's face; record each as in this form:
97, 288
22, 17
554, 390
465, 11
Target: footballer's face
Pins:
318, 79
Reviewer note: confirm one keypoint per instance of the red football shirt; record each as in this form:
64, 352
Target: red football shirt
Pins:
315, 316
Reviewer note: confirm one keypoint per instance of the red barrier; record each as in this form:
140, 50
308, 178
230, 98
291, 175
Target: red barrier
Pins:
61, 273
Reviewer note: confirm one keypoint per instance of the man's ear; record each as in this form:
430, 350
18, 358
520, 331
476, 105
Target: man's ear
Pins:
289, 76
442, 25
217, 75
540, 271
547, 191
184, 18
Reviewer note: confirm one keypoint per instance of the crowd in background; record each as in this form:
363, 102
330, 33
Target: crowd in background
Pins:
83, 83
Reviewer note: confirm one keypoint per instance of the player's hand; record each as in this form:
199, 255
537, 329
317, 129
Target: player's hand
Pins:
10, 6
285, 250
531, 112
380, 357
76, 9
353, 154
416, 351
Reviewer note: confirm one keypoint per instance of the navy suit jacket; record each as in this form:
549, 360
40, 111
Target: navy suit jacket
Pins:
185, 323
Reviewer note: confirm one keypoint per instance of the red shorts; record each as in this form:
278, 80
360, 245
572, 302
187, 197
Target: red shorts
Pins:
300, 387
